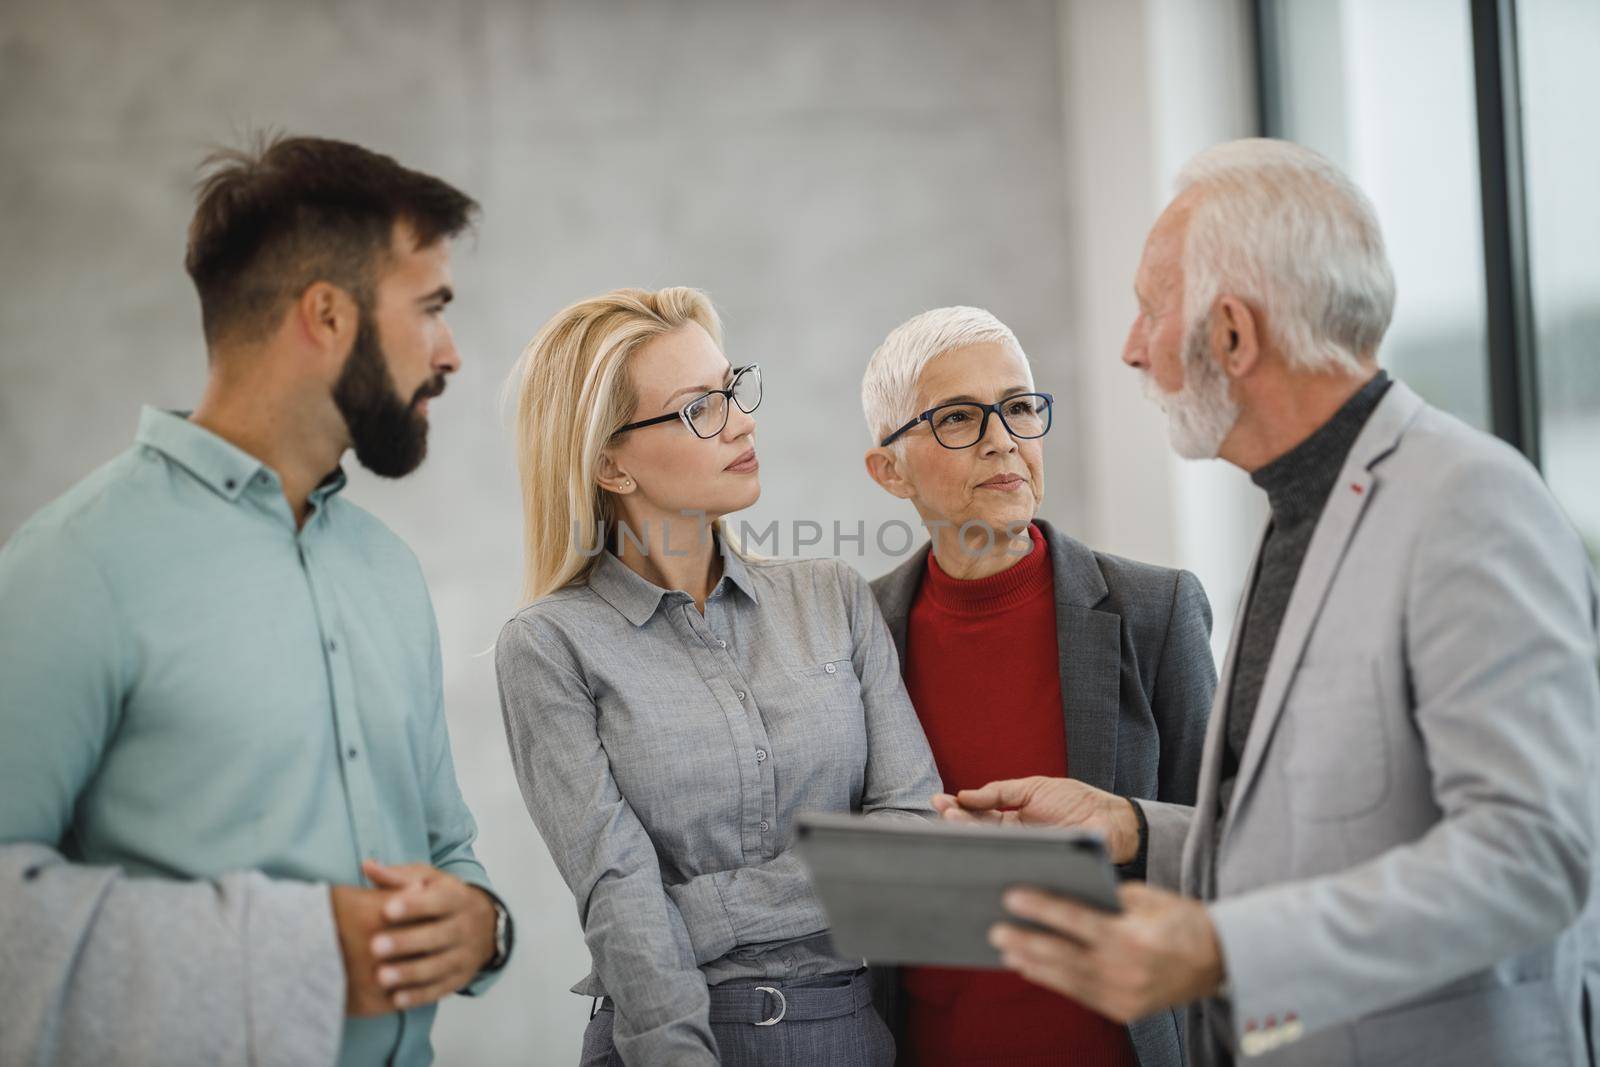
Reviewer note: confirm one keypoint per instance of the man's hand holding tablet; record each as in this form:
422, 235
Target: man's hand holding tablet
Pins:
1160, 950
1041, 801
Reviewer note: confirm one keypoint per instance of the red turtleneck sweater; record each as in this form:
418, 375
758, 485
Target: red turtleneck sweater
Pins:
983, 669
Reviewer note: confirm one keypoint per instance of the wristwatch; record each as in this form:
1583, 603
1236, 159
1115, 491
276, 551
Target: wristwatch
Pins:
504, 933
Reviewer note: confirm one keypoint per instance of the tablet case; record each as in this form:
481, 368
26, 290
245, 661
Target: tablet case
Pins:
899, 891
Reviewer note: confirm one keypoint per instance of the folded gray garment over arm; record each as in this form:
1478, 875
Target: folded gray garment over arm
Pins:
98, 967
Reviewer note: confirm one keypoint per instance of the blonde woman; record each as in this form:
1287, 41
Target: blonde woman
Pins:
671, 705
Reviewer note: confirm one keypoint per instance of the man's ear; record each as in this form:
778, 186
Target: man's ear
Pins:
326, 318
1235, 337
884, 467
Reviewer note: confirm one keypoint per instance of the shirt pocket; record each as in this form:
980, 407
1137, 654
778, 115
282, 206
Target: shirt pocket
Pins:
837, 666
1335, 745
831, 679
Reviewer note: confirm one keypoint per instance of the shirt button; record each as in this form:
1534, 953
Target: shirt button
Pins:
333, 645
741, 694
765, 826
722, 644
230, 485
761, 755
351, 752
830, 668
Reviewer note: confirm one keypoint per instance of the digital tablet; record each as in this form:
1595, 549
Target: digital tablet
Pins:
897, 891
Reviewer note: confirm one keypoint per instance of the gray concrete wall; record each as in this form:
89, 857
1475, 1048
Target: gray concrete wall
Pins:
823, 169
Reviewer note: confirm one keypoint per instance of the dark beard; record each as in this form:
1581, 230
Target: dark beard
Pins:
389, 435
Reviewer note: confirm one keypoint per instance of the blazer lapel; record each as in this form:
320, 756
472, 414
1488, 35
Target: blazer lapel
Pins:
1089, 646
895, 592
1340, 517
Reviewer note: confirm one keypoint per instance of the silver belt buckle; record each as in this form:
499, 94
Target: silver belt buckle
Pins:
783, 1005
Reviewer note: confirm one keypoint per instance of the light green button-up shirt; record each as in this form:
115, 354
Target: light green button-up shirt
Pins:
189, 686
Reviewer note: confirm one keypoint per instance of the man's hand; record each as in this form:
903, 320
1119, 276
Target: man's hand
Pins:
358, 916
1041, 801
438, 934
1159, 952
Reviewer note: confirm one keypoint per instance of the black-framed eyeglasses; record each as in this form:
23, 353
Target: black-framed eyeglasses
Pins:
963, 424
707, 414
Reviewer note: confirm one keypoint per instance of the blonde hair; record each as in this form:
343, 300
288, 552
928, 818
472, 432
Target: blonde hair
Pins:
572, 392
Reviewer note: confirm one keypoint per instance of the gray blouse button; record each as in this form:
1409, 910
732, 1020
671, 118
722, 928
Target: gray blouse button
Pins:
741, 694
830, 668
765, 826
761, 755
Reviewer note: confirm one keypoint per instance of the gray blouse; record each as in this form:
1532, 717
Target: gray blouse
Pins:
664, 755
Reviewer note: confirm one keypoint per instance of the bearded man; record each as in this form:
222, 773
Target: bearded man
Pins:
230, 830
1394, 839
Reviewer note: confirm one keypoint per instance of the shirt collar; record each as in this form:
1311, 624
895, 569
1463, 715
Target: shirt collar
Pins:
226, 468
220, 465
637, 598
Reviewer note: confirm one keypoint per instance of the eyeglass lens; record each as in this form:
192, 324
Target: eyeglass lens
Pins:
709, 414
958, 425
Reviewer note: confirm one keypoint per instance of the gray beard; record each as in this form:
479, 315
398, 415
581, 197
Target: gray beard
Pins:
1201, 414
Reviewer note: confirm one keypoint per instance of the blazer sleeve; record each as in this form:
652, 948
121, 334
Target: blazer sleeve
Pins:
1500, 647
1166, 832
1184, 683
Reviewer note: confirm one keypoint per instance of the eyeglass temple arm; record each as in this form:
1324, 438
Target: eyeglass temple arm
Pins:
645, 422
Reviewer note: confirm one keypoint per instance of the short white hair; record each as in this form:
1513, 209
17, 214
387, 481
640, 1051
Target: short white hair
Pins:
889, 387
1277, 223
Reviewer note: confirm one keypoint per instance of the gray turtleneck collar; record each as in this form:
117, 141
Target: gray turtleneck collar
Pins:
1298, 482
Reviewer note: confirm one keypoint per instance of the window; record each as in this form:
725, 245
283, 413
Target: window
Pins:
1470, 124
1558, 42
1385, 90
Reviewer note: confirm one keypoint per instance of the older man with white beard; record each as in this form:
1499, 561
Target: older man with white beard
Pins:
1394, 835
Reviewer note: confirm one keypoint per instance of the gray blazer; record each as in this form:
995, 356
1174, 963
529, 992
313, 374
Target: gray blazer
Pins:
1411, 835
1137, 683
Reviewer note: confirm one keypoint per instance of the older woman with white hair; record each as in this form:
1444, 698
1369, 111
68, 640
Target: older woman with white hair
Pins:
1026, 653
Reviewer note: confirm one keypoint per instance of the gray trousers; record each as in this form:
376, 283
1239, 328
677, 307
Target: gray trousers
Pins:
828, 1021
